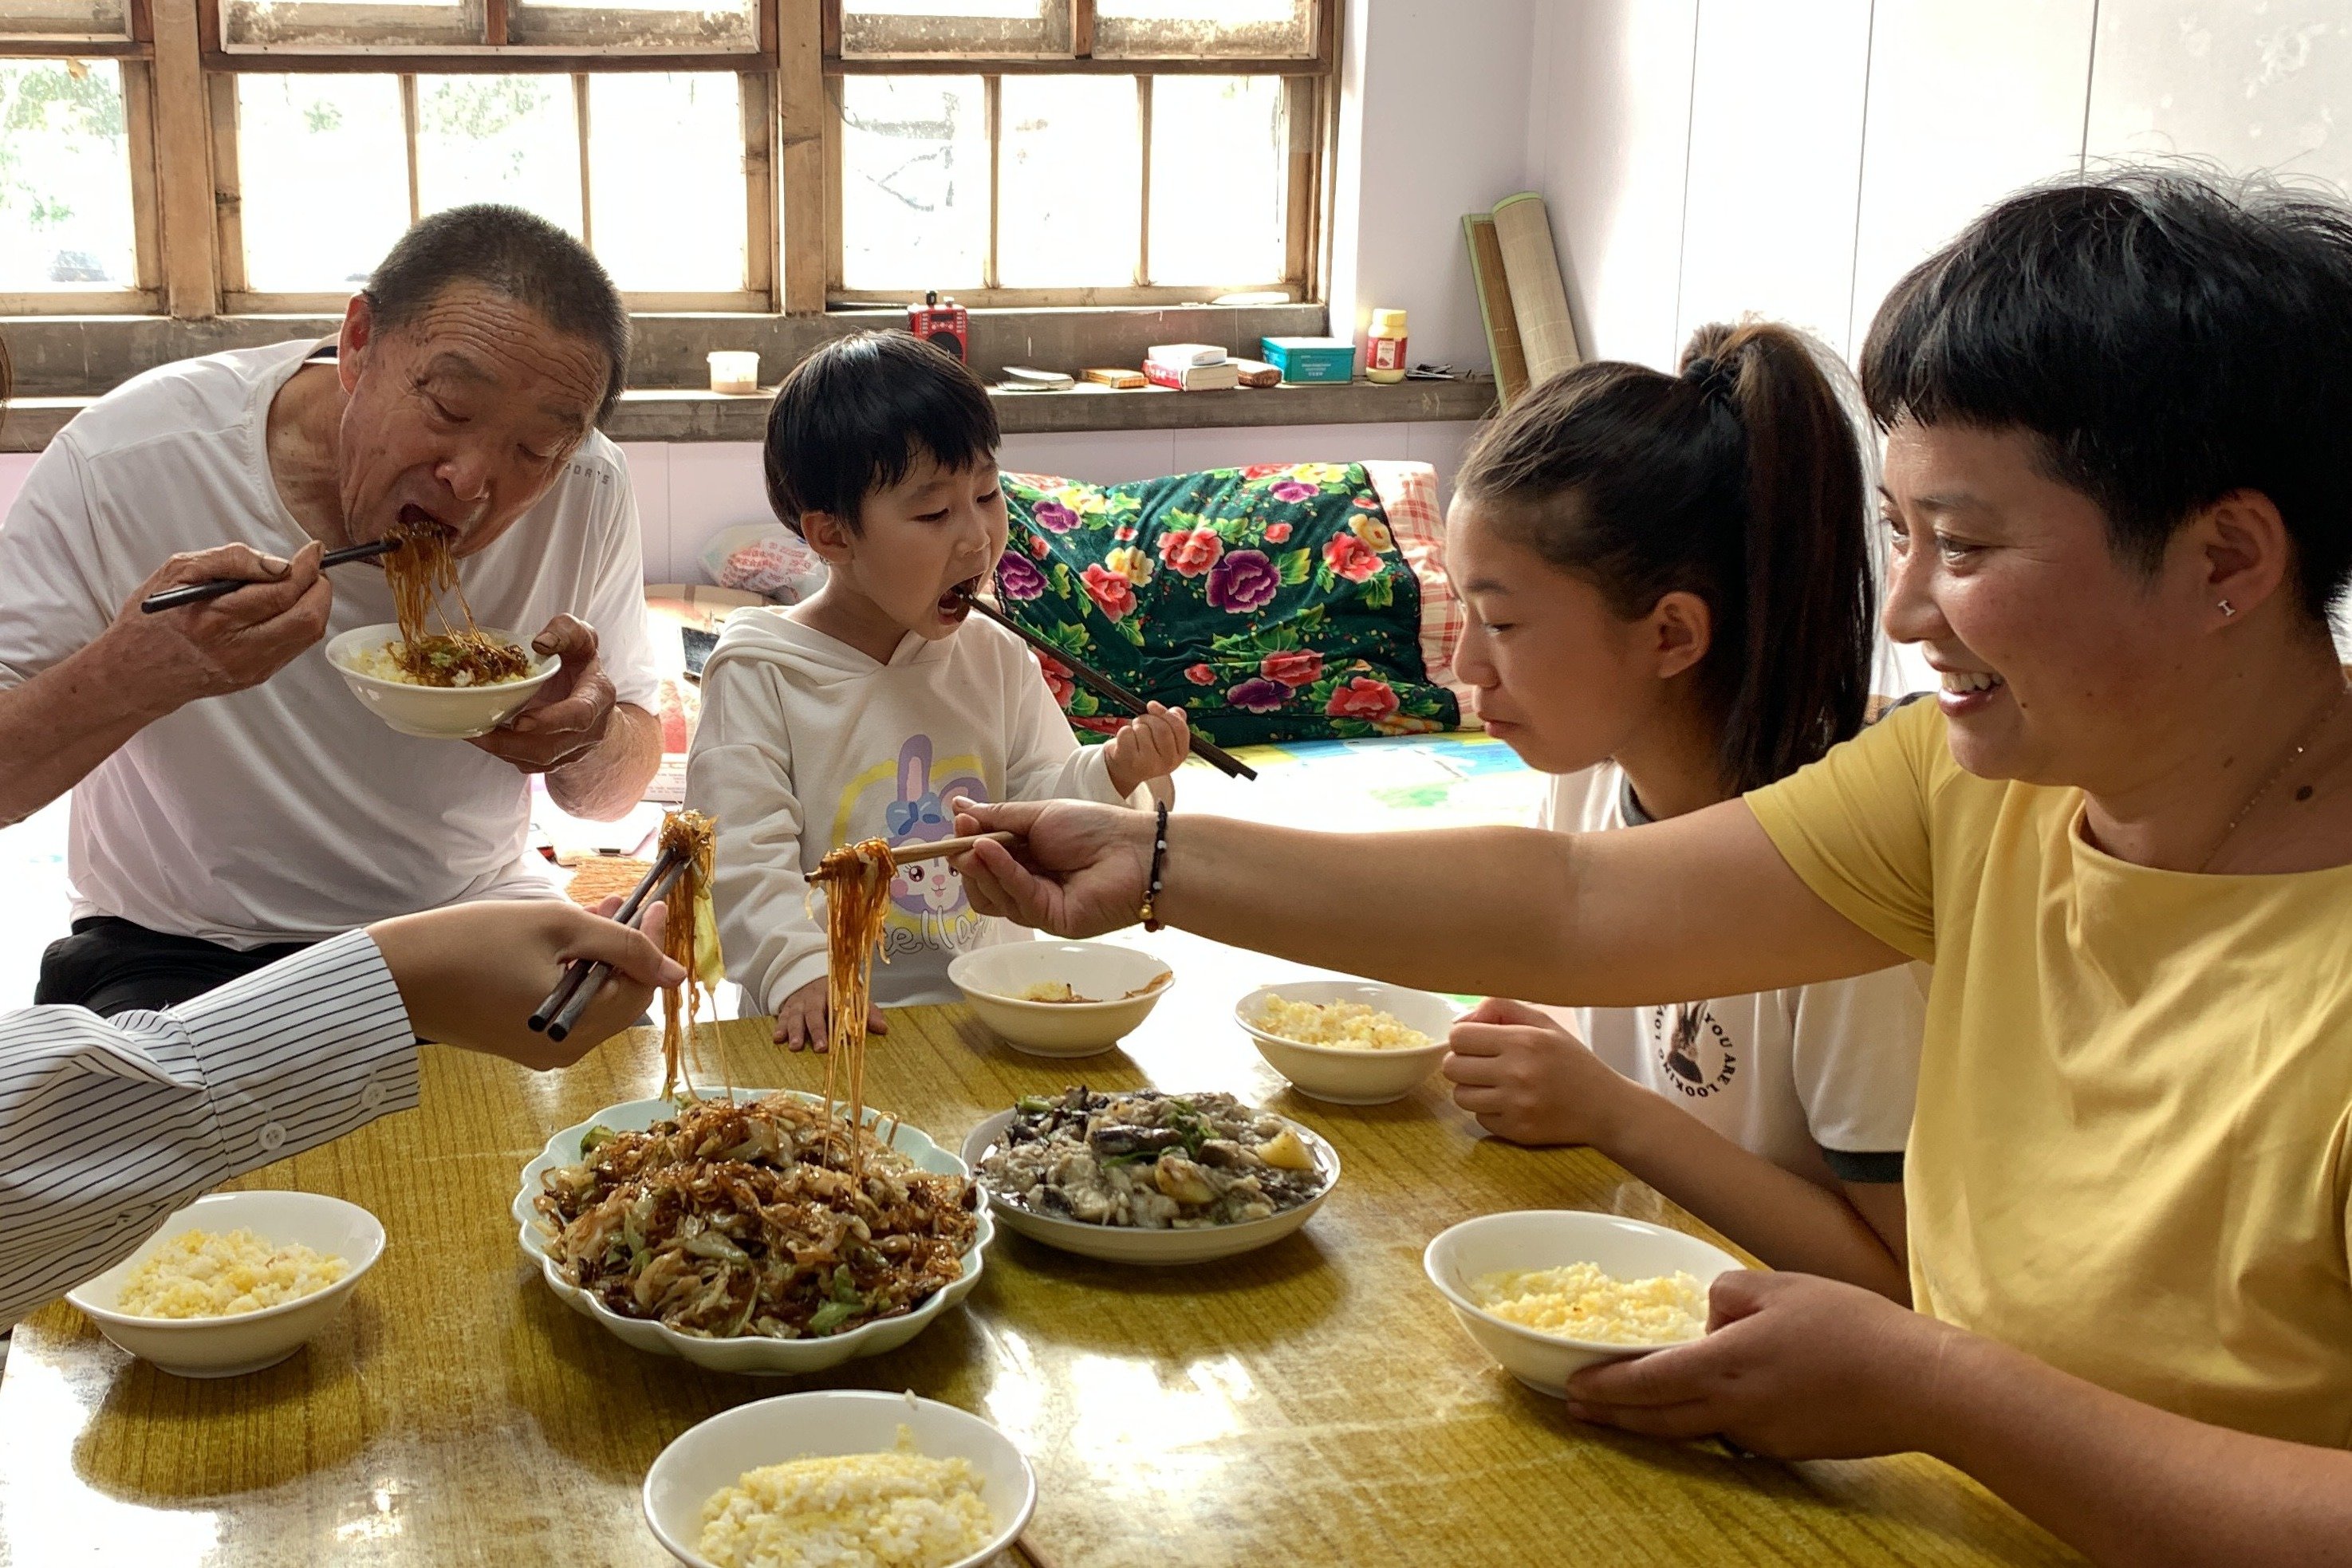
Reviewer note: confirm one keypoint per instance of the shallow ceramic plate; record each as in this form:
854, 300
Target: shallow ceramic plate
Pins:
438, 713
1549, 1238
1121, 1243
753, 1353
710, 1456
226, 1347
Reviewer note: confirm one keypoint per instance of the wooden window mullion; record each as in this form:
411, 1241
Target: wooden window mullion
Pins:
139, 142
494, 23
993, 90
183, 177
1143, 162
757, 93
229, 183
587, 199
409, 124
799, 122
1081, 28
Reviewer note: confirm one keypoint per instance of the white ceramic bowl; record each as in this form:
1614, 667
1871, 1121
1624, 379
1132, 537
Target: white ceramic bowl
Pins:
1346, 1077
711, 1455
992, 979
1548, 1238
227, 1347
752, 1354
1121, 1243
438, 713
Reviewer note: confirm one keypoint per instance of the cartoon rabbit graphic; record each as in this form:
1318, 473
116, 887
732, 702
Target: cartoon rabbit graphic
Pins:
927, 889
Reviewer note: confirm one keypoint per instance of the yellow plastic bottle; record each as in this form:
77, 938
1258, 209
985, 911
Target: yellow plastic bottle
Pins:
1384, 347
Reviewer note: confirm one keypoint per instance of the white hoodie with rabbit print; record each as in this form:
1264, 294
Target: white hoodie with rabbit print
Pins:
805, 743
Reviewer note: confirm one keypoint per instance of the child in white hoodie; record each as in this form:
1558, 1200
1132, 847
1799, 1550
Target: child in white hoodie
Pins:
861, 712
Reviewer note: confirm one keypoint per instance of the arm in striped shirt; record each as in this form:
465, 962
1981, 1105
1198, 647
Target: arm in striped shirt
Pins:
108, 1126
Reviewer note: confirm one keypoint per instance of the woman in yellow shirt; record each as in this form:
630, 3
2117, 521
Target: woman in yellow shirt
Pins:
2120, 512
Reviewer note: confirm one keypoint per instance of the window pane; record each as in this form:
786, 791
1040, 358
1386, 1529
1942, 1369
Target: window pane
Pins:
914, 182
1072, 170
322, 164
64, 178
666, 179
1220, 157
955, 26
64, 19
1184, 29
256, 22
511, 139
715, 25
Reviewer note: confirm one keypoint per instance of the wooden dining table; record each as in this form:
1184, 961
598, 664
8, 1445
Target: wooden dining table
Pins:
1314, 1402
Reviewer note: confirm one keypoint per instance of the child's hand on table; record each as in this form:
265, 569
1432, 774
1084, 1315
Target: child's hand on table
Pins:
1150, 746
801, 1021
1527, 1080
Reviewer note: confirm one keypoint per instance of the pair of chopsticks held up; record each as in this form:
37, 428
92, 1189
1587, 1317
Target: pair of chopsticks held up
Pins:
560, 1013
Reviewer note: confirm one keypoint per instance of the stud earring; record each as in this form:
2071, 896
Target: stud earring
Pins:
2227, 609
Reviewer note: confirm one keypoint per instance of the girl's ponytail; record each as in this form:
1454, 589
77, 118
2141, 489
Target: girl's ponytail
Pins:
1739, 480
1799, 682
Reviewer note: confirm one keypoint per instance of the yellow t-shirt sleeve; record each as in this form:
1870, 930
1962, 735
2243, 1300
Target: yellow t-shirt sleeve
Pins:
1855, 826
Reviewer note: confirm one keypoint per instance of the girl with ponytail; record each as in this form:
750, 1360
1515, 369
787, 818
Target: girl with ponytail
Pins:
1670, 588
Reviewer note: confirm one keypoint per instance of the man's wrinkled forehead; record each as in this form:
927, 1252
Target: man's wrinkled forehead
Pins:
472, 336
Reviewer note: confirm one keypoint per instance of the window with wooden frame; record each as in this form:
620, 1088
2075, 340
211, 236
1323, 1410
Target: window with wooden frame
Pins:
645, 127
1073, 152
78, 231
726, 156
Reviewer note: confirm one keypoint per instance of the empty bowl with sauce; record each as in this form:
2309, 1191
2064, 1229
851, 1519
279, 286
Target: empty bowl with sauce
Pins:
1061, 998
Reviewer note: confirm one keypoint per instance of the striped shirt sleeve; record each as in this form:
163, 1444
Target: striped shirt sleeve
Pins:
109, 1125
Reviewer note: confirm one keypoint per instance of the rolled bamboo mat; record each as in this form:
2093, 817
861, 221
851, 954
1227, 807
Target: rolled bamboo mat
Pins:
1538, 293
1487, 274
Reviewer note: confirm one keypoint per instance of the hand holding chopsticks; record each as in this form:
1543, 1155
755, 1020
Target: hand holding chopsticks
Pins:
196, 593
561, 1012
1110, 691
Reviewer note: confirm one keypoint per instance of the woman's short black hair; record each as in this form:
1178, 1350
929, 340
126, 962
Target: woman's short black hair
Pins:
515, 253
854, 417
2170, 334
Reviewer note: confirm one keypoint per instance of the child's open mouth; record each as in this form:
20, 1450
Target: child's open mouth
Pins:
956, 603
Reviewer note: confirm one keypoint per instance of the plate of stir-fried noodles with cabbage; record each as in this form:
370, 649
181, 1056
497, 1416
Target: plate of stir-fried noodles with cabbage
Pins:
754, 1231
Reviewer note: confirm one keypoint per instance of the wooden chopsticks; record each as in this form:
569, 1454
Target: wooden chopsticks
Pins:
561, 1012
1103, 687
903, 853
195, 593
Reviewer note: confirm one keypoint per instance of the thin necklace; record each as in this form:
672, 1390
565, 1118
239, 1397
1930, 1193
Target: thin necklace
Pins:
2302, 744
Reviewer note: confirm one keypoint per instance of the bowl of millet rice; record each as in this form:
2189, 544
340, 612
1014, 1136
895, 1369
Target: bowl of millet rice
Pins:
844, 1477
234, 1282
1545, 1291
1349, 1042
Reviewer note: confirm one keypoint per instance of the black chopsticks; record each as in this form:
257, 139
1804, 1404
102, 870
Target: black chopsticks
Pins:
196, 593
1110, 691
572, 994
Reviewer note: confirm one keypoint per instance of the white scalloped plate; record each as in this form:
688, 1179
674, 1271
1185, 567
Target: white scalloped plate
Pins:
1157, 1248
756, 1354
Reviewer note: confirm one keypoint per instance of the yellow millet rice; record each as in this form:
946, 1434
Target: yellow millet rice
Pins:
197, 1274
1582, 1302
1351, 1025
899, 1510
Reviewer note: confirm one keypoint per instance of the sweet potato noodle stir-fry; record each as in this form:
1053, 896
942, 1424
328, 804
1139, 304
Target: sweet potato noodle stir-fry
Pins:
691, 937
856, 882
424, 568
755, 1220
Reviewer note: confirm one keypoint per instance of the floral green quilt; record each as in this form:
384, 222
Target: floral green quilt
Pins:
1269, 601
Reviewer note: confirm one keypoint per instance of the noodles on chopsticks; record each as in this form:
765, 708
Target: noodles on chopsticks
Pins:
423, 569
856, 881
691, 937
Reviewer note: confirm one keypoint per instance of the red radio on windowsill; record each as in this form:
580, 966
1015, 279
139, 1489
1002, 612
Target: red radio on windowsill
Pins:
948, 325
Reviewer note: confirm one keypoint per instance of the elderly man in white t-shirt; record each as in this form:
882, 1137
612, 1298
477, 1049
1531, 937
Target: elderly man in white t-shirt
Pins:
231, 800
